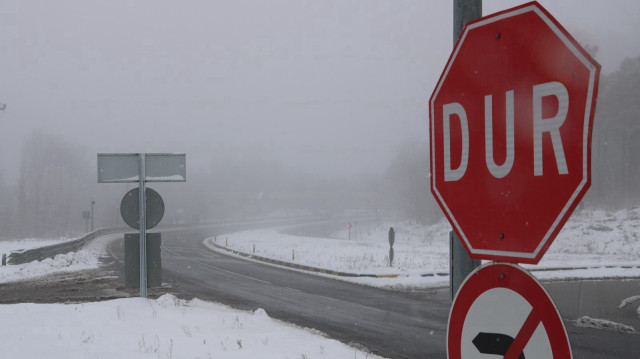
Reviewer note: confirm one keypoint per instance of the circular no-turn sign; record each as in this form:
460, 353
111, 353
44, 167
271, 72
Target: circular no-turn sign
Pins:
502, 310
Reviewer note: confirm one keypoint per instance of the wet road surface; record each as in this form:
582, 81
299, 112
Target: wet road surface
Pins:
390, 324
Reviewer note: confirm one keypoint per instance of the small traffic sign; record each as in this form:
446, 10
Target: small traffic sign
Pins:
125, 167
510, 133
130, 208
502, 310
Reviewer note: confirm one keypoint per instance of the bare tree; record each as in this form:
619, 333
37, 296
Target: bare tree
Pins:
52, 180
616, 138
407, 184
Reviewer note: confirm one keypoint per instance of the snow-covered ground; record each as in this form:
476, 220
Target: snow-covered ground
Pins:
598, 244
137, 328
608, 243
164, 328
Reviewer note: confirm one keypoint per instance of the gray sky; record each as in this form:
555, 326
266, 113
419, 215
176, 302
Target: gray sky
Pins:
329, 87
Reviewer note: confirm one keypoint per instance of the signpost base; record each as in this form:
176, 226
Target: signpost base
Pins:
132, 260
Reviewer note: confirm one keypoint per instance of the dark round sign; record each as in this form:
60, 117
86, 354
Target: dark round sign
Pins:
130, 208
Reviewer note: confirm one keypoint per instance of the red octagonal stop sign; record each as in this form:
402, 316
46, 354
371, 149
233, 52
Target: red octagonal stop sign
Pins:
510, 127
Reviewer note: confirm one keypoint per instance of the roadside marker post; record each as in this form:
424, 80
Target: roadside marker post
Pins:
141, 168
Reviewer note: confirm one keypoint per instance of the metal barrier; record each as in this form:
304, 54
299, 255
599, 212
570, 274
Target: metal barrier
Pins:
38, 254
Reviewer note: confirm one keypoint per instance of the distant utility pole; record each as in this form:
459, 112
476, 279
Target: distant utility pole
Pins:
355, 231
92, 204
460, 264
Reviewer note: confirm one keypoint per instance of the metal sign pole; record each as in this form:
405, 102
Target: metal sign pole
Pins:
460, 264
143, 228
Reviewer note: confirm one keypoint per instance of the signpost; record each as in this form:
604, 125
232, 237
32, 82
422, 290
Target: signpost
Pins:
142, 168
460, 263
502, 310
510, 133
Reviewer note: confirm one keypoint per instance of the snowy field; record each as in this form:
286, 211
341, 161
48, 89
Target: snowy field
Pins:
164, 328
598, 244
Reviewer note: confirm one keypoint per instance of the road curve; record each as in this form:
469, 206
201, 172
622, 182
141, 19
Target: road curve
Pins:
390, 324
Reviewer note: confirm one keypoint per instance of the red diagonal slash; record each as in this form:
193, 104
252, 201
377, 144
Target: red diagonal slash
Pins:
524, 335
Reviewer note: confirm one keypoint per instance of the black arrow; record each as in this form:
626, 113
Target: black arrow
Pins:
494, 343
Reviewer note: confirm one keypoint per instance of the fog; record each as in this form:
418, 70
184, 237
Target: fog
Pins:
316, 96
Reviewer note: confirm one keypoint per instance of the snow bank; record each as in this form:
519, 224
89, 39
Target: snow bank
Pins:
628, 301
631, 300
164, 328
86, 258
589, 322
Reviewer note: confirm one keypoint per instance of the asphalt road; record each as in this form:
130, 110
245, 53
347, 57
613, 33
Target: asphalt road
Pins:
390, 324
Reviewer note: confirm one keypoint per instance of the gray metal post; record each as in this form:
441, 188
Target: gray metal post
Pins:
92, 204
143, 229
460, 264
463, 12
355, 231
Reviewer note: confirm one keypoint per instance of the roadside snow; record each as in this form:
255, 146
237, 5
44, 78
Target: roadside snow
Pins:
593, 244
629, 301
589, 322
86, 258
164, 328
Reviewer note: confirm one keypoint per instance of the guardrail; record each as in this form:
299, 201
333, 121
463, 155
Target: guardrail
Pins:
38, 254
